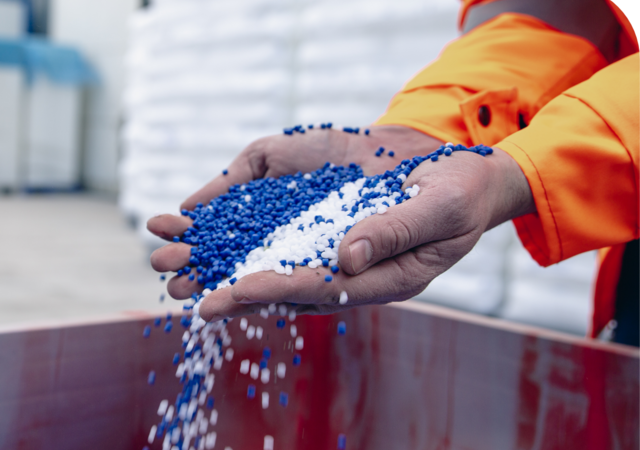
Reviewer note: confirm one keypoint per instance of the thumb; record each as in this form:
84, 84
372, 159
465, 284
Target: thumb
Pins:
382, 236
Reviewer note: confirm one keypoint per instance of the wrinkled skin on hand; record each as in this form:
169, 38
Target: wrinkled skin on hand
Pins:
384, 258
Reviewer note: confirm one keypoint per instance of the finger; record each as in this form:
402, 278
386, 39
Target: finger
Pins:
305, 285
393, 279
166, 226
243, 169
171, 257
181, 287
220, 305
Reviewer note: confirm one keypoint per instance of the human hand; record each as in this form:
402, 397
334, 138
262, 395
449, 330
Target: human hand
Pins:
394, 256
278, 155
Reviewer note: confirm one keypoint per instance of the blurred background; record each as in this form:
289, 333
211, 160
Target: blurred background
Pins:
114, 110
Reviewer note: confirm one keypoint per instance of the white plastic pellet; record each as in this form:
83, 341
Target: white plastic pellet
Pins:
180, 370
152, 434
299, 343
281, 370
228, 355
264, 313
272, 307
186, 336
268, 443
251, 332
265, 400
202, 398
214, 417
292, 315
169, 415
255, 371
381, 209
217, 364
162, 409
226, 341
264, 375
210, 440
288, 270
243, 323
282, 270
175, 435
259, 333
282, 309
202, 429
344, 298
209, 381
294, 331
244, 366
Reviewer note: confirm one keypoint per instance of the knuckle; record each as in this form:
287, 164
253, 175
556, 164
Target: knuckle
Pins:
398, 237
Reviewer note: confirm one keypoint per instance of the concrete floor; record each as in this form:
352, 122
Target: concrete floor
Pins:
69, 257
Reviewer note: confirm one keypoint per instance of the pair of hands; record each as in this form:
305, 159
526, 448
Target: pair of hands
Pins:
384, 258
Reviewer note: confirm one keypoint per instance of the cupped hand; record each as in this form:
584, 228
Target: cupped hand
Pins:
394, 256
279, 155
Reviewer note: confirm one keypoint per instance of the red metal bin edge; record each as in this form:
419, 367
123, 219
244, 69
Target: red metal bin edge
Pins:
409, 375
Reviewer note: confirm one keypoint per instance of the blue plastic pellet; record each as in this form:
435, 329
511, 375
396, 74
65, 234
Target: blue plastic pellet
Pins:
266, 353
192, 277
168, 327
280, 323
263, 364
251, 391
176, 359
335, 269
161, 297
151, 379
434, 158
210, 402
147, 331
366, 132
392, 153
297, 359
225, 172
283, 399
233, 280
163, 276
342, 442
328, 278
157, 321
175, 239
342, 328
447, 152
325, 262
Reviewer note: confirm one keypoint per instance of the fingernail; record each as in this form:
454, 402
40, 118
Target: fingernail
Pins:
245, 300
361, 253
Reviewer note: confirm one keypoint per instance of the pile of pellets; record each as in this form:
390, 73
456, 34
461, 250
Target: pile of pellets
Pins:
268, 224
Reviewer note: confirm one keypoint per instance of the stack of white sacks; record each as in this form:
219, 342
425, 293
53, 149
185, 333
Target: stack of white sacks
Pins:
207, 77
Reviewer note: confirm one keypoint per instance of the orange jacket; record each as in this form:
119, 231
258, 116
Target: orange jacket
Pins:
580, 150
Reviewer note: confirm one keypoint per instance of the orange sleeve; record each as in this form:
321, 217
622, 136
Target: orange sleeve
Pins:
515, 62
580, 156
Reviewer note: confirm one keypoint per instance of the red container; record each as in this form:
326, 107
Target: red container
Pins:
409, 376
